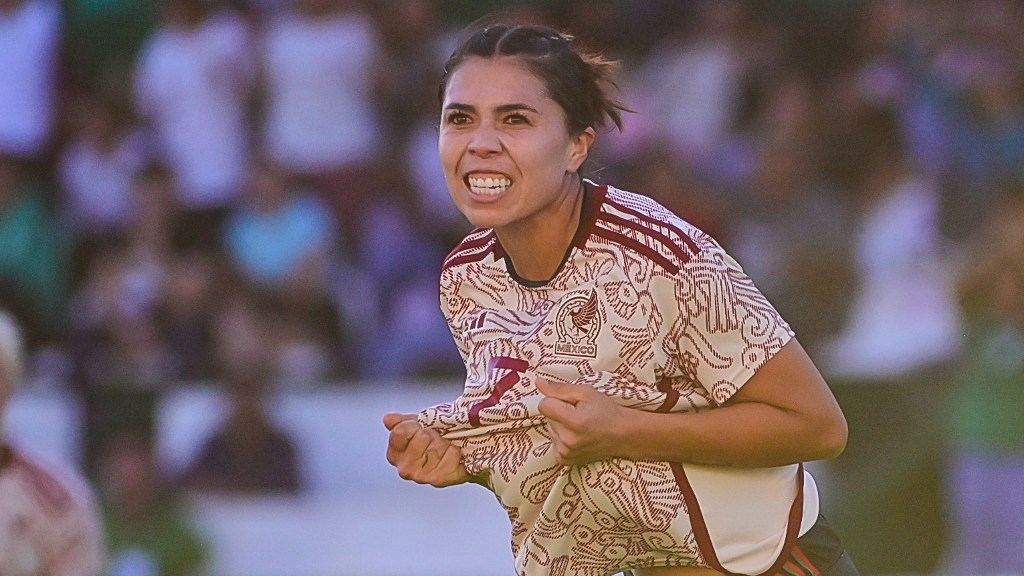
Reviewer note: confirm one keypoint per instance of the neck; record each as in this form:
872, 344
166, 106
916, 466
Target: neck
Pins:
538, 246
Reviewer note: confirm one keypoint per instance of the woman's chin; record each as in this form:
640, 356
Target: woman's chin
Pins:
483, 218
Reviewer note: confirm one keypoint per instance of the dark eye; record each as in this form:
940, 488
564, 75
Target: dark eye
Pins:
517, 118
457, 118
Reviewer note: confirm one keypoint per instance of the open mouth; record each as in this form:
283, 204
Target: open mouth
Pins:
488, 186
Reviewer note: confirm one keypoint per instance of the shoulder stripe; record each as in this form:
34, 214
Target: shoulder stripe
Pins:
471, 250
476, 239
468, 258
679, 250
637, 246
647, 218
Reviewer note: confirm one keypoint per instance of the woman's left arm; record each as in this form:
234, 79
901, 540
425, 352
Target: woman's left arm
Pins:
785, 413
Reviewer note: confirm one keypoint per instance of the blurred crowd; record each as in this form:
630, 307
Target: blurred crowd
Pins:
240, 191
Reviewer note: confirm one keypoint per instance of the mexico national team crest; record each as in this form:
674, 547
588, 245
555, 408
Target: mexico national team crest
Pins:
577, 325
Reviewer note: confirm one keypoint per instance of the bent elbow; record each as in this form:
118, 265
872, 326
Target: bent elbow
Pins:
833, 438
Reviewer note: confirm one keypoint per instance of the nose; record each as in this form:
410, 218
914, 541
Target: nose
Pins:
485, 141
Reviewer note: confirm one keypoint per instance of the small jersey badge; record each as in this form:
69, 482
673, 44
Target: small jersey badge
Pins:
577, 325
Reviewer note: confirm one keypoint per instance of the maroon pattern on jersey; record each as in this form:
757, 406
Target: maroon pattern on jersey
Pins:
49, 523
652, 312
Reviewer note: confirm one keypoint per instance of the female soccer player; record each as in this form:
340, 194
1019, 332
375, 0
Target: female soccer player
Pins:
631, 398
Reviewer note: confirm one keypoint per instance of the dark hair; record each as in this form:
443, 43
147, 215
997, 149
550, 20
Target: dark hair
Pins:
579, 82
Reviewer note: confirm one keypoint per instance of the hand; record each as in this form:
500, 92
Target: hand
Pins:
421, 454
582, 421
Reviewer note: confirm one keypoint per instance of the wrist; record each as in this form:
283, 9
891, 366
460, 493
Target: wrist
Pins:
625, 430
643, 435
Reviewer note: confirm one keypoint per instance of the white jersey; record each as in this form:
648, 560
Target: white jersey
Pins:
652, 312
49, 523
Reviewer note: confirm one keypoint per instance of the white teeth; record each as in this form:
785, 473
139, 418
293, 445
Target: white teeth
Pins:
488, 186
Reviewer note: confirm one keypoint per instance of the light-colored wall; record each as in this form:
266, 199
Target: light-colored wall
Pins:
357, 518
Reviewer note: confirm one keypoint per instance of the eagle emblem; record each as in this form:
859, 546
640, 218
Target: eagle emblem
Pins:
577, 325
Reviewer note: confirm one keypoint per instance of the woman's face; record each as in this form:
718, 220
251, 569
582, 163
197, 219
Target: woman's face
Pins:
507, 155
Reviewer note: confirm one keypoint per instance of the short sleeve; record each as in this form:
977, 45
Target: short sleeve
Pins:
457, 333
726, 328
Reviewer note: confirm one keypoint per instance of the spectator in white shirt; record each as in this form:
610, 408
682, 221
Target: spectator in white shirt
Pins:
193, 84
318, 64
29, 41
319, 118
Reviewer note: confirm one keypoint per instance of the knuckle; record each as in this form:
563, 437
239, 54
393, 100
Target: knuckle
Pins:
410, 424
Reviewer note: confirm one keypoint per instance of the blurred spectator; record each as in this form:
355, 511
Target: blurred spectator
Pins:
114, 336
317, 63
193, 291
953, 69
788, 224
249, 454
691, 81
117, 352
101, 42
280, 234
986, 135
158, 220
49, 522
903, 316
319, 119
149, 532
30, 37
33, 268
409, 336
193, 85
282, 241
438, 219
987, 404
97, 168
889, 362
241, 336
286, 336
414, 42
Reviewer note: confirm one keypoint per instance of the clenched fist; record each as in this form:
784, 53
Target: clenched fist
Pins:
421, 454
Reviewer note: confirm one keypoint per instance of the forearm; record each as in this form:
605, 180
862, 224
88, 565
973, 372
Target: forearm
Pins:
745, 434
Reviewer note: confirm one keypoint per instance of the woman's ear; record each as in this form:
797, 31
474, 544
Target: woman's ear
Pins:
580, 149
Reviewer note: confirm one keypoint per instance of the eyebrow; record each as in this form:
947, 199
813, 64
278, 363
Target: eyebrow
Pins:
500, 109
